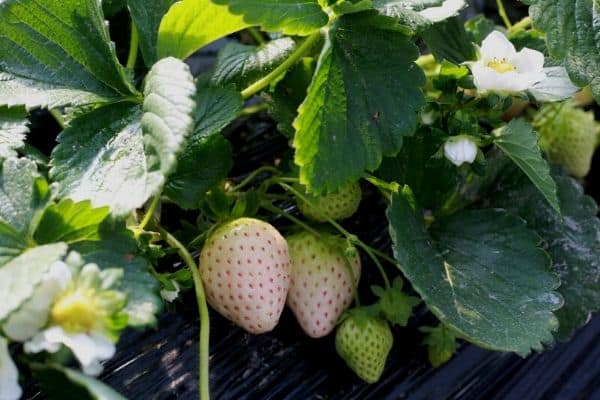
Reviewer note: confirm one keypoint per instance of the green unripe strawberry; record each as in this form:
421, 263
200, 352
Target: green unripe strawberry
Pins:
364, 342
337, 205
569, 136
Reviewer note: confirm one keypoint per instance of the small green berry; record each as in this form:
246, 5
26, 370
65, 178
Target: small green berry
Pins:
337, 205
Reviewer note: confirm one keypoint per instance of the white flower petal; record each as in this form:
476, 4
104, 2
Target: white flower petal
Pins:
171, 295
528, 60
449, 8
33, 315
90, 350
496, 45
460, 150
9, 374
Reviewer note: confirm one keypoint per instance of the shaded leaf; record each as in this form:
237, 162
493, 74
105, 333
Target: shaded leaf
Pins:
147, 16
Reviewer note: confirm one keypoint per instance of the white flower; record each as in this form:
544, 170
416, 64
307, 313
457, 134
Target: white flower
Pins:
33, 315
9, 375
448, 9
171, 295
89, 349
459, 150
502, 68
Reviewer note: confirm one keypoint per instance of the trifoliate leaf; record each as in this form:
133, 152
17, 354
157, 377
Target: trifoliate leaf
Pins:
573, 35
20, 275
192, 24
441, 344
206, 158
342, 129
115, 157
481, 274
570, 239
66, 60
395, 305
242, 65
147, 16
13, 129
292, 17
518, 141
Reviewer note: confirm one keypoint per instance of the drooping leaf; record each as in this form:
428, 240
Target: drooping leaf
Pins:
289, 93
573, 35
292, 17
192, 24
481, 274
241, 65
23, 195
115, 157
20, 275
66, 60
448, 40
519, 142
572, 240
147, 16
206, 158
342, 129
61, 383
556, 87
13, 129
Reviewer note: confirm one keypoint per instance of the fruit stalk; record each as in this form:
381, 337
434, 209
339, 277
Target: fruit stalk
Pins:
133, 47
203, 309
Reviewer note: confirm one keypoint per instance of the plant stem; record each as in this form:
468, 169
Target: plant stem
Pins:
282, 68
134, 45
521, 25
254, 174
276, 210
256, 36
503, 14
202, 307
58, 117
372, 256
251, 110
150, 212
340, 229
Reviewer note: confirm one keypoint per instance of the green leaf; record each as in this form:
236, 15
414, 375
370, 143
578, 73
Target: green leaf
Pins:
206, 158
20, 275
419, 14
66, 60
342, 129
449, 40
112, 7
518, 141
483, 276
23, 195
61, 383
289, 93
441, 344
572, 34
292, 17
192, 24
70, 222
147, 16
570, 239
13, 130
112, 158
242, 65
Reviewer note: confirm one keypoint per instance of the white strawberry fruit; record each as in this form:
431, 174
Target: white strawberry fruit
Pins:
322, 284
245, 267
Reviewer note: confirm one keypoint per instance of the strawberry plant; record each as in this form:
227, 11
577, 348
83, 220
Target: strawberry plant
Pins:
435, 119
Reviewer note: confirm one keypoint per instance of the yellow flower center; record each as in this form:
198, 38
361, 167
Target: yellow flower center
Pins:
75, 311
501, 65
